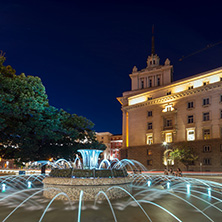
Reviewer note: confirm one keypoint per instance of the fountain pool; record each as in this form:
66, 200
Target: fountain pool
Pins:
147, 197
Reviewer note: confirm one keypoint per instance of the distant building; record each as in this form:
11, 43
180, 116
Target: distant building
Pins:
113, 144
116, 145
159, 113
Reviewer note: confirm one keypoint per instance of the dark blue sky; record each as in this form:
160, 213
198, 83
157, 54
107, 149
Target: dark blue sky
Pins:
84, 51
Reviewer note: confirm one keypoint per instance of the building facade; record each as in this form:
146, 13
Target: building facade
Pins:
159, 113
113, 144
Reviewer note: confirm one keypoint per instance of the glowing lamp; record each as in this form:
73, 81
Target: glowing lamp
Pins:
168, 185
3, 187
188, 188
149, 183
29, 184
209, 191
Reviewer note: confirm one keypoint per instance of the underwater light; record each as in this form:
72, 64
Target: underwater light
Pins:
168, 185
148, 183
188, 188
29, 184
3, 187
209, 191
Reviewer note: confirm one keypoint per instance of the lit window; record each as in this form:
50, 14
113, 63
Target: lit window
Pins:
190, 119
168, 137
168, 108
206, 101
149, 126
190, 134
190, 105
149, 113
206, 116
149, 152
206, 134
206, 149
149, 139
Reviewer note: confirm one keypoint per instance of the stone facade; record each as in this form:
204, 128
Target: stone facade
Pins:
160, 111
152, 156
91, 187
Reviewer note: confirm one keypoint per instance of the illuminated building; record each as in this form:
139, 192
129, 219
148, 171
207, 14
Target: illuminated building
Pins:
159, 110
113, 144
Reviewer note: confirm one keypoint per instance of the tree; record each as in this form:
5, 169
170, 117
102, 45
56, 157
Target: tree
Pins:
184, 154
31, 129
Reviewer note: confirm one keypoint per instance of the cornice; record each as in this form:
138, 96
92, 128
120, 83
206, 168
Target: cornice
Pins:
175, 96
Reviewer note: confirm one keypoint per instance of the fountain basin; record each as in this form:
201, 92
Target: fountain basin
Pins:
90, 187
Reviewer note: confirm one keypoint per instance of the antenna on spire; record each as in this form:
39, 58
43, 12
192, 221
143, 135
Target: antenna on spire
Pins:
153, 46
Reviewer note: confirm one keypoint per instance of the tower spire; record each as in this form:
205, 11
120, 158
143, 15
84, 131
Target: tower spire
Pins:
153, 46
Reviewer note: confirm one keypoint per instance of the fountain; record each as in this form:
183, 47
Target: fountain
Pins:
91, 179
150, 197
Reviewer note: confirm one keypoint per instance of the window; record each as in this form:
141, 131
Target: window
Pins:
168, 137
190, 119
149, 138
150, 62
206, 161
168, 123
206, 101
206, 134
149, 152
190, 105
220, 98
220, 78
158, 81
149, 126
150, 82
221, 114
153, 62
169, 93
220, 147
149, 113
149, 98
206, 149
205, 83
142, 84
190, 134
190, 87
206, 116
149, 162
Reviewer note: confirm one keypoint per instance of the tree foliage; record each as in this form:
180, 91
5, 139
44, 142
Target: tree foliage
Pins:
31, 129
185, 154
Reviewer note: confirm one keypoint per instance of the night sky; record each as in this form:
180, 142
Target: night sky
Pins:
84, 51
